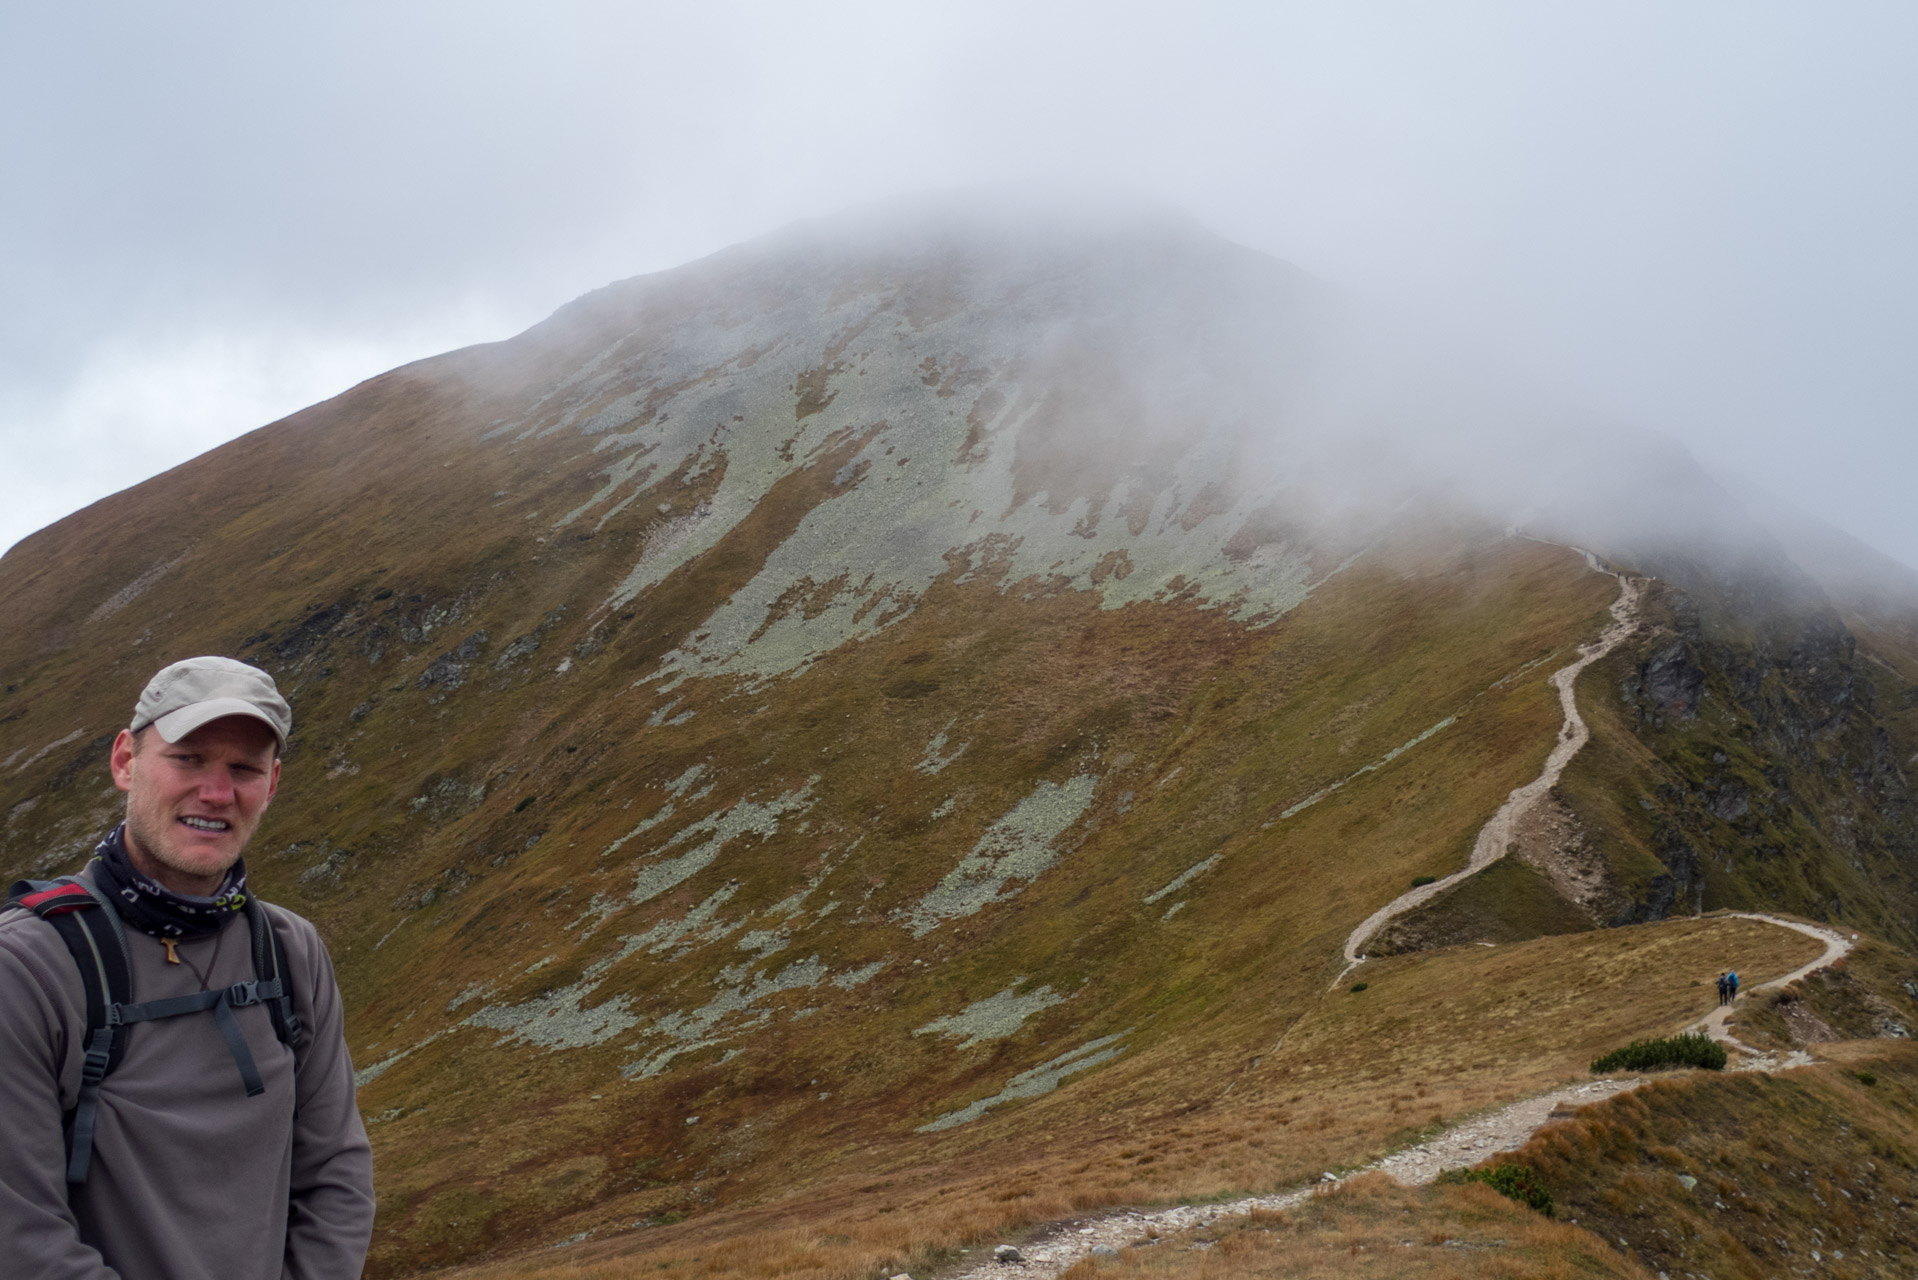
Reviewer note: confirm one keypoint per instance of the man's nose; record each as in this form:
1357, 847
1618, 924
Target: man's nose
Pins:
217, 787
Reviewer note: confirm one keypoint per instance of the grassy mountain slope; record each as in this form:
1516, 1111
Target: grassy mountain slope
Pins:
1433, 1038
827, 730
1741, 1175
1743, 758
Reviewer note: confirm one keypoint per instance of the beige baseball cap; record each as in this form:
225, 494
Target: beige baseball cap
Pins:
197, 691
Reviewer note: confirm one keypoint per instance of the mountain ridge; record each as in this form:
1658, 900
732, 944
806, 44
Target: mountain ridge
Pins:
827, 696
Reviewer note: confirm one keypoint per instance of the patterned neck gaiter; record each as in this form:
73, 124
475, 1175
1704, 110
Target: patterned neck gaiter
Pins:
155, 909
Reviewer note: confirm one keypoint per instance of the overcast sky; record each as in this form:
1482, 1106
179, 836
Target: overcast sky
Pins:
1696, 217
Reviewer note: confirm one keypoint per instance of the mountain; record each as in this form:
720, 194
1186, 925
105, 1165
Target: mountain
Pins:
899, 719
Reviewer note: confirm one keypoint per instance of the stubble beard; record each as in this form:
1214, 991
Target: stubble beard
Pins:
155, 846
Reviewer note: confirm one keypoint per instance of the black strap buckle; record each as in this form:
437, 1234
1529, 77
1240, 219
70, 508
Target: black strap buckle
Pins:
243, 993
93, 1068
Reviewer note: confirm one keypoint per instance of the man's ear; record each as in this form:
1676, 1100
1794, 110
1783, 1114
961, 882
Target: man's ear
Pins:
121, 759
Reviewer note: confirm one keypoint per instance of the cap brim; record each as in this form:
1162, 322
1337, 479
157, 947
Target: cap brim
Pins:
175, 725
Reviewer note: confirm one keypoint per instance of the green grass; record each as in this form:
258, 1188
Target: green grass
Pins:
1689, 1050
1506, 902
1513, 1181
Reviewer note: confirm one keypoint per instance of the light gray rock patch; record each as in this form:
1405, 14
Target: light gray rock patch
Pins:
645, 825
559, 1019
701, 924
1360, 772
670, 544
766, 942
478, 991
1017, 848
937, 757
138, 587
924, 496
1183, 879
654, 878
859, 977
621, 471
679, 785
795, 902
738, 995
744, 818
367, 1075
995, 1017
37, 756
1038, 1081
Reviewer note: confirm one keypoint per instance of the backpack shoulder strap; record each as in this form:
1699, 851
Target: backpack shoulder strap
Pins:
75, 911
275, 975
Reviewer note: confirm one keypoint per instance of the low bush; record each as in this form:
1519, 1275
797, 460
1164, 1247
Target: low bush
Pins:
1689, 1050
1420, 881
1358, 987
1513, 1181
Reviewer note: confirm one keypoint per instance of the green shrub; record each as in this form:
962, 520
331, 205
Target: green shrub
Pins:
1513, 1181
1866, 1077
1359, 986
1419, 881
1689, 1050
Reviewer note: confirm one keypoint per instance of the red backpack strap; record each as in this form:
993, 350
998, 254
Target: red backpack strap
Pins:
48, 898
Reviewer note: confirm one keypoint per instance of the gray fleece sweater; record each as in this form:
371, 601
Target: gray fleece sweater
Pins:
191, 1179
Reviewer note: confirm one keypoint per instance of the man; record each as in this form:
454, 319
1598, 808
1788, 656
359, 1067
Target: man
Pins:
191, 1168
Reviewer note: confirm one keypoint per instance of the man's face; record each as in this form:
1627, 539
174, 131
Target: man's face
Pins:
193, 804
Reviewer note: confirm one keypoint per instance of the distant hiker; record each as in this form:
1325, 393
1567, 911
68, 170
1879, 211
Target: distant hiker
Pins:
174, 1079
1724, 988
1731, 986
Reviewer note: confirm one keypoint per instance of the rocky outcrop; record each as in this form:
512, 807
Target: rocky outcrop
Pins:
1776, 779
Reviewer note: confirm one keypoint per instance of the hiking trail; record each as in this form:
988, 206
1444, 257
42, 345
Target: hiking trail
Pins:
1496, 836
1056, 1246
1837, 947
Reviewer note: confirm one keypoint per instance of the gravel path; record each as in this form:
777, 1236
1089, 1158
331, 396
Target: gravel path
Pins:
1497, 835
1837, 947
1060, 1244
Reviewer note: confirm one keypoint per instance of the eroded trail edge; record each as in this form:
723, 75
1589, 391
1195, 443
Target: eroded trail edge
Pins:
1056, 1247
1496, 836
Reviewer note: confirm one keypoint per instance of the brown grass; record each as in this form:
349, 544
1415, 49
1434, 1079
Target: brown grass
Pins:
1467, 1030
350, 545
1813, 1159
498, 1144
1870, 993
1370, 1227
